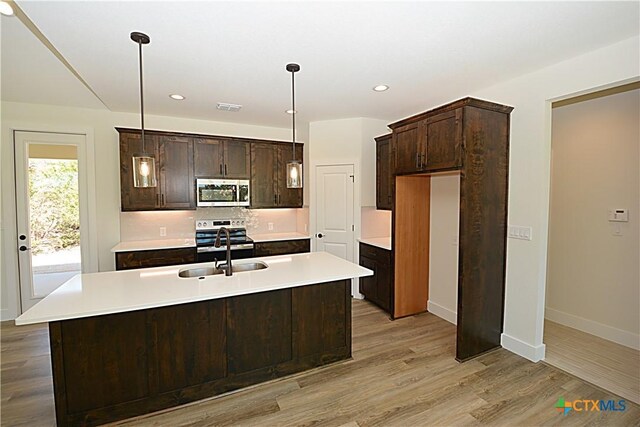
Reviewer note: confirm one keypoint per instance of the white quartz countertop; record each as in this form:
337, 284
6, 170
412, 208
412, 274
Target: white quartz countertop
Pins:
380, 242
148, 245
273, 237
95, 294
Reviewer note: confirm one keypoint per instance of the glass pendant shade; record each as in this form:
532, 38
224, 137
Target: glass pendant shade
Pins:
294, 174
144, 171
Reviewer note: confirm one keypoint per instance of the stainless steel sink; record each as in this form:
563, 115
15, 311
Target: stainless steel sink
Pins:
249, 266
211, 271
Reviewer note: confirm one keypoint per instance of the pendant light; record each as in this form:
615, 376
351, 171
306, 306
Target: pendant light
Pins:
144, 165
294, 167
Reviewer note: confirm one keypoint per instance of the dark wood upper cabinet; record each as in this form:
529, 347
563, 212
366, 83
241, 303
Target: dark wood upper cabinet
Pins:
216, 158
287, 197
443, 136
269, 176
384, 176
131, 198
208, 158
264, 166
177, 183
407, 146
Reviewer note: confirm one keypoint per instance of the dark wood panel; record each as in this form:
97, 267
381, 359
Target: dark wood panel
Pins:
176, 173
190, 344
154, 258
483, 231
258, 330
287, 197
237, 159
264, 164
282, 247
208, 158
132, 198
407, 148
384, 176
368, 285
379, 287
105, 359
321, 312
443, 135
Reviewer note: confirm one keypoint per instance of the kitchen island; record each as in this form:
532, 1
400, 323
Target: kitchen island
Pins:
132, 342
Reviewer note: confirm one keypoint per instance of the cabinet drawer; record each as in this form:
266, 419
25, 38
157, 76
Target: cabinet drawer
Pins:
282, 247
154, 258
373, 252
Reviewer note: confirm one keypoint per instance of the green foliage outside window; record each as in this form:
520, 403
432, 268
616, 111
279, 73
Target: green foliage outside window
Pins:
54, 204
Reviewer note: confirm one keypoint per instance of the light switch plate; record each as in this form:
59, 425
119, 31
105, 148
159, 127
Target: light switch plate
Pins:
519, 232
619, 215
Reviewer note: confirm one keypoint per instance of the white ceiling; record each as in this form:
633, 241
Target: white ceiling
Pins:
427, 52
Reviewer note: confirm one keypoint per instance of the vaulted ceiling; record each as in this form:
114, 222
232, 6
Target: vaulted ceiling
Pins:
427, 52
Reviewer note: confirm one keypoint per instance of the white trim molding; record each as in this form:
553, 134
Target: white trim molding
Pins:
442, 312
521, 348
618, 336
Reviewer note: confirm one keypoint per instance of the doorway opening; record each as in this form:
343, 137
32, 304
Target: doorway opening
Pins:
51, 212
592, 307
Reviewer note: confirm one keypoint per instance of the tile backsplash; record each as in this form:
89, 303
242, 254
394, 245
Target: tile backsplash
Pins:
181, 224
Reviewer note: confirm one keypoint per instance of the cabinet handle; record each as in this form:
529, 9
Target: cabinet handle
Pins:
225, 169
275, 199
278, 199
423, 161
417, 160
157, 199
220, 168
162, 198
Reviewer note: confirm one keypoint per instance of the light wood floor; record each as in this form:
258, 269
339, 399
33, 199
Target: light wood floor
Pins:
402, 374
611, 366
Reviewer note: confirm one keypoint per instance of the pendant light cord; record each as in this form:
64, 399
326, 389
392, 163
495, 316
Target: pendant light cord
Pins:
293, 106
144, 151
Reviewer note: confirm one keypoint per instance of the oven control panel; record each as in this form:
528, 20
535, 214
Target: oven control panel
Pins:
214, 224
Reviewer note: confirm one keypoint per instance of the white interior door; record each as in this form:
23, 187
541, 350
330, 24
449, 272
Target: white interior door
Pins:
334, 210
51, 211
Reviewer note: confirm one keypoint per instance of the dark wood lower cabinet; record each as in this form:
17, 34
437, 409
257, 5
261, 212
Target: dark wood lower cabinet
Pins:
116, 366
154, 258
282, 247
379, 287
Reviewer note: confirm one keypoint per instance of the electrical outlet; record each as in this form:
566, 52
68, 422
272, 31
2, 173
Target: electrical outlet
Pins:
163, 231
270, 226
518, 232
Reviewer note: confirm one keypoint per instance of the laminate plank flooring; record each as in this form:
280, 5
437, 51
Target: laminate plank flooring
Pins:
403, 373
606, 364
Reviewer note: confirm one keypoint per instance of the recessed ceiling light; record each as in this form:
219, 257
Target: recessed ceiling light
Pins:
5, 8
290, 111
176, 97
380, 88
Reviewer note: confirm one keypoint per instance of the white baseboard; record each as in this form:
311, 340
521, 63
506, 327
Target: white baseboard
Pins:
618, 336
442, 312
521, 348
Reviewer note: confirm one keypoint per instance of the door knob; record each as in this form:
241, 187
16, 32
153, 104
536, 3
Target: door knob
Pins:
22, 237
320, 235
24, 248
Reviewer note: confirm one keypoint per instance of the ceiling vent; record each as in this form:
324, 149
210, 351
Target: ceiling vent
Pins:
234, 108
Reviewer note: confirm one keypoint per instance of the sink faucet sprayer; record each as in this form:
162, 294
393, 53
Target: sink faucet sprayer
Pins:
226, 267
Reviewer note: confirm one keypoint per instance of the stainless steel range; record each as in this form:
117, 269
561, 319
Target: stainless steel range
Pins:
206, 231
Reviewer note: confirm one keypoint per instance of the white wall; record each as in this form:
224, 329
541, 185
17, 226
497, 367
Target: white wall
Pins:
443, 246
530, 155
593, 281
101, 123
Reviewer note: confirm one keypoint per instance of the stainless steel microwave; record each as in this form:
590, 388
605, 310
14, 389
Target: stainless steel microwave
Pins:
222, 192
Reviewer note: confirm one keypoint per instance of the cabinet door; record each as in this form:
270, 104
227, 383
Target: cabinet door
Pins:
368, 285
264, 165
443, 138
287, 197
208, 158
176, 173
154, 258
384, 178
408, 150
132, 198
237, 159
